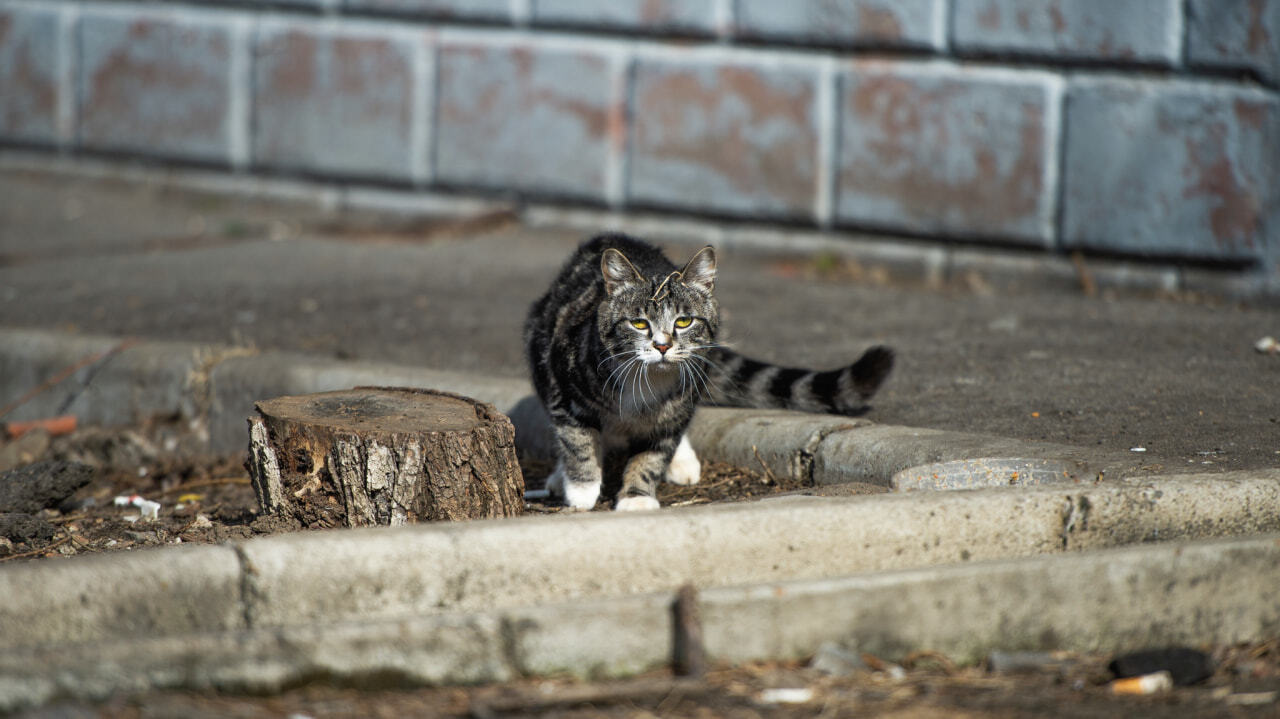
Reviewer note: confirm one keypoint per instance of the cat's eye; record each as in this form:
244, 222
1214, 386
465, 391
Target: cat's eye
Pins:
640, 324
682, 322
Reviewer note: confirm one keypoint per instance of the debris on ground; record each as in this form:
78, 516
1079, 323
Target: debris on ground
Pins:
1079, 688
89, 477
1185, 666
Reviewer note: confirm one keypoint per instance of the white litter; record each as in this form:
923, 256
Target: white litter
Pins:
794, 695
149, 509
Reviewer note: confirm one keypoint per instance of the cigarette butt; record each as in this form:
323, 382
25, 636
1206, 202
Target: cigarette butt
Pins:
1161, 681
62, 424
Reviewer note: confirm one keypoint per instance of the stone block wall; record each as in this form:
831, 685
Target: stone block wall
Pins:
1145, 128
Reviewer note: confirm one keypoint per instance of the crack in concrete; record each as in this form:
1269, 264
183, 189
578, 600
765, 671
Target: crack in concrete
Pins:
250, 591
804, 458
199, 381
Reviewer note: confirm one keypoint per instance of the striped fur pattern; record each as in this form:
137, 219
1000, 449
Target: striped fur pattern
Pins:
623, 348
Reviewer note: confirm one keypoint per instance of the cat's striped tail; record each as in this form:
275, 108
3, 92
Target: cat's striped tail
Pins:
738, 381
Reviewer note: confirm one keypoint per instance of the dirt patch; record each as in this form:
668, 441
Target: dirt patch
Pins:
90, 492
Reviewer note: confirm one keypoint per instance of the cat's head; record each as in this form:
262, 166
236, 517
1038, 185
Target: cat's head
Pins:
659, 322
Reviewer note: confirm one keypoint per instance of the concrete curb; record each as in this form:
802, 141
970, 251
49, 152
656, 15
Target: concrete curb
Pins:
1194, 593
392, 573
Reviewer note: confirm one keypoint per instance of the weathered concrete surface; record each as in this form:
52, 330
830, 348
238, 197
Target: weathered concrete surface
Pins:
1218, 591
1151, 595
828, 449
150, 593
390, 574
430, 650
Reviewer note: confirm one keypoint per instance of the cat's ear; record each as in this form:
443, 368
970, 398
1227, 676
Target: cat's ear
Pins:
618, 271
700, 273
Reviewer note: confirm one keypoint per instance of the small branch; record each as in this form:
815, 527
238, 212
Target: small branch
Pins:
768, 473
41, 550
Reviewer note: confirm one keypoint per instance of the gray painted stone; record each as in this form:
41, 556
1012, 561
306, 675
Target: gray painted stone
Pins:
337, 102
948, 150
1235, 35
730, 137
156, 83
29, 45
1176, 168
527, 117
1140, 31
685, 17
847, 23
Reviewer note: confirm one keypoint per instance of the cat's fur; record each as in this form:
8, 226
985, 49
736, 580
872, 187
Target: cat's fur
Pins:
620, 378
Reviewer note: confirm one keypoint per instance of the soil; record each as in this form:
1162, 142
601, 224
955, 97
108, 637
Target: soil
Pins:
210, 500
1245, 684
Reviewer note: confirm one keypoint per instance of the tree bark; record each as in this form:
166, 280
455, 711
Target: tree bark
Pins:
383, 456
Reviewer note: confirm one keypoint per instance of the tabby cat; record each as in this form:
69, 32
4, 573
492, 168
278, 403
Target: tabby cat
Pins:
623, 348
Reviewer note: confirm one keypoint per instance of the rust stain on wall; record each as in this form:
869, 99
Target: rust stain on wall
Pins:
879, 22
725, 147
122, 79
294, 70
25, 80
1259, 38
1056, 18
1250, 114
989, 18
1235, 219
905, 118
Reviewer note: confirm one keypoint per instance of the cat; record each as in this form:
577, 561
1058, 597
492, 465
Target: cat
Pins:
623, 348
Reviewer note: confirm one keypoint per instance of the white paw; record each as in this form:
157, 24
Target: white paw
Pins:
636, 504
685, 467
581, 495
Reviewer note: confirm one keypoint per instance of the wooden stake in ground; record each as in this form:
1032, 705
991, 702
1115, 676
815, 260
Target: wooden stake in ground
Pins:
374, 455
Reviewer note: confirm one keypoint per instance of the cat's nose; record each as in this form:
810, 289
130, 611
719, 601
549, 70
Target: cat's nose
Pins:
661, 348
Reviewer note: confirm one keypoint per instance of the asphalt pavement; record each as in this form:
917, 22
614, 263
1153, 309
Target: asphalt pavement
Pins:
1175, 377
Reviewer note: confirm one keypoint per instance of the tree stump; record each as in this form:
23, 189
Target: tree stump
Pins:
383, 456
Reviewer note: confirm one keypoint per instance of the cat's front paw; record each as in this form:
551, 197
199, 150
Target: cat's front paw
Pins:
636, 504
685, 468
581, 495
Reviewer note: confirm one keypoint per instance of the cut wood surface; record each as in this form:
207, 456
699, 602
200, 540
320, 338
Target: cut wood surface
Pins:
379, 455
